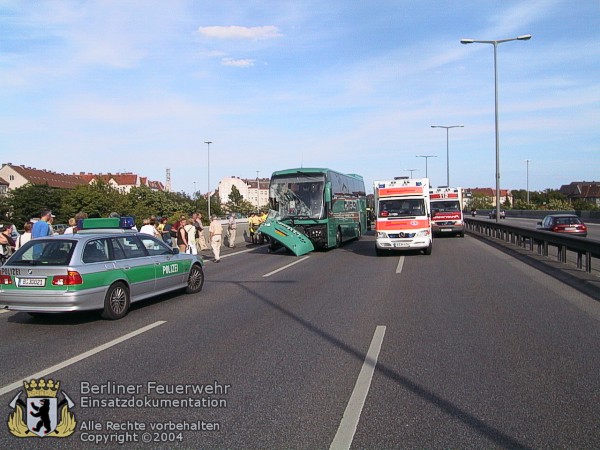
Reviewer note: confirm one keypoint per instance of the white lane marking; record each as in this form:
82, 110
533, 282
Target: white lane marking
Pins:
237, 253
400, 264
4, 311
285, 267
82, 356
345, 433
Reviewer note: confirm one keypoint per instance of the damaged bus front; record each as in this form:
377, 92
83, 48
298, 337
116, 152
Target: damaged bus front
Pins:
314, 208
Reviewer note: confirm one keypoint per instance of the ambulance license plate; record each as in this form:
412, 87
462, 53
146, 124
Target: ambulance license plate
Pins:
401, 244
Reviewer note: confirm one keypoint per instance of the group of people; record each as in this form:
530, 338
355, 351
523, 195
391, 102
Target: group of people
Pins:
186, 234
254, 221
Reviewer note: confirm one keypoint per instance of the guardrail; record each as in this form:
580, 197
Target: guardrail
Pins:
584, 249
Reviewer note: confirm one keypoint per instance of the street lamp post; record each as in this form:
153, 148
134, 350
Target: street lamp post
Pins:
411, 171
426, 159
527, 161
447, 149
525, 37
208, 175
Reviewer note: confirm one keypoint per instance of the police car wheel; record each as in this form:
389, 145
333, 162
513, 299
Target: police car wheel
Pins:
195, 280
116, 302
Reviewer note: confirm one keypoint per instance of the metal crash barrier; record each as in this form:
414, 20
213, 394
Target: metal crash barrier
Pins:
540, 241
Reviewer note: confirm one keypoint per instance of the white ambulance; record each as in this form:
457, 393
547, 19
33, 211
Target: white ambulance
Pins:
447, 211
403, 215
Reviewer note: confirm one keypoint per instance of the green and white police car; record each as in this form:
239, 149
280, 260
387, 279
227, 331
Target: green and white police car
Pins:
104, 266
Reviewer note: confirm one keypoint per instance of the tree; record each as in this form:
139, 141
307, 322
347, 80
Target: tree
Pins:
27, 201
235, 197
98, 199
480, 201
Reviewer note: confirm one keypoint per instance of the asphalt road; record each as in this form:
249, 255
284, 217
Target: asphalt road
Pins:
466, 348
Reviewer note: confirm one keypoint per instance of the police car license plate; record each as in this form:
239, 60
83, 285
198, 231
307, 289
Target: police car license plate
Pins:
32, 282
401, 244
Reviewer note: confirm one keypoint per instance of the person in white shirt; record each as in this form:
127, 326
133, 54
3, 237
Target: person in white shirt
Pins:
25, 237
148, 228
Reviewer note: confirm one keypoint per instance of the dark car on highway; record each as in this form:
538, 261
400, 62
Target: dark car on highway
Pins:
563, 223
492, 214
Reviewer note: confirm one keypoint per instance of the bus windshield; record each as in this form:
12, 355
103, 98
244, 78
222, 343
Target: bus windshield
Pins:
297, 196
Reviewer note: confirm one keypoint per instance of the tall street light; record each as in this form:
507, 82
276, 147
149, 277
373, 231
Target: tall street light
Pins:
208, 177
426, 159
527, 161
411, 171
525, 37
447, 149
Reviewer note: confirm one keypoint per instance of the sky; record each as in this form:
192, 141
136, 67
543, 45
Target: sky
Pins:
140, 86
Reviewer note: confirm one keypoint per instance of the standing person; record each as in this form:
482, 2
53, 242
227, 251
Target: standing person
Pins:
148, 228
72, 228
263, 219
182, 239
231, 229
254, 223
6, 239
201, 242
41, 228
190, 230
215, 230
25, 237
165, 231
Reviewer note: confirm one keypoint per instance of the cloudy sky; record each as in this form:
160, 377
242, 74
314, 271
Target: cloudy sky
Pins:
139, 86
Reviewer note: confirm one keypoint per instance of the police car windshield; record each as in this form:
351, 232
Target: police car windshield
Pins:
47, 252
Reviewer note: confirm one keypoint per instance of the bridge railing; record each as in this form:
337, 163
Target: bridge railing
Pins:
540, 241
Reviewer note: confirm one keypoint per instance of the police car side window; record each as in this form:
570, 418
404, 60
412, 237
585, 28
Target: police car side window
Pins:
154, 246
95, 251
117, 249
131, 247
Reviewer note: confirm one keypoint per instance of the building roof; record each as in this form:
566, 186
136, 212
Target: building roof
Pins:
71, 181
53, 179
581, 189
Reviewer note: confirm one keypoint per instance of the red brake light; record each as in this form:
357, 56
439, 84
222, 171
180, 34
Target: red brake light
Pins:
71, 278
5, 279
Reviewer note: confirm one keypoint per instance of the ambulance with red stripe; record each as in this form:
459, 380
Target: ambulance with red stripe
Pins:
446, 211
403, 215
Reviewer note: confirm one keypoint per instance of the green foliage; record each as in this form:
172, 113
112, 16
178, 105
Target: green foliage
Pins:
480, 201
522, 204
235, 197
27, 202
582, 205
97, 200
243, 207
237, 203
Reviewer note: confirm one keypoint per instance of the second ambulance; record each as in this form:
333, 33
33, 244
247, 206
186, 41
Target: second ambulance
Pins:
446, 210
403, 215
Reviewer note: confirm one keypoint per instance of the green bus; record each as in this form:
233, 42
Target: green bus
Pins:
314, 208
